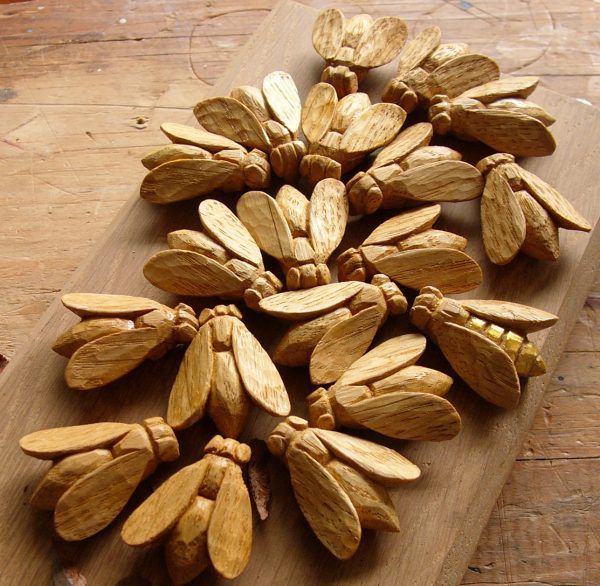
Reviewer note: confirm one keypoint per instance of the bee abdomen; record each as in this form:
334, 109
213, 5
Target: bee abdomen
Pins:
522, 352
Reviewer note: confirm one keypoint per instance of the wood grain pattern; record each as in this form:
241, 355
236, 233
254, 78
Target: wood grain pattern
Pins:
49, 120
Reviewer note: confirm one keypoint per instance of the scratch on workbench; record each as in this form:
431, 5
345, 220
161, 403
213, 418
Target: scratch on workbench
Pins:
502, 519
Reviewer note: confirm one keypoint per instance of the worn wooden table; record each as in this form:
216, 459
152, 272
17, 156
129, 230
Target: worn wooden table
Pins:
83, 90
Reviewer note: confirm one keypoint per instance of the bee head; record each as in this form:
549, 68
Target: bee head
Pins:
364, 194
351, 266
265, 285
163, 439
320, 412
228, 448
394, 298
397, 91
256, 170
425, 304
439, 114
486, 165
207, 314
281, 436
186, 323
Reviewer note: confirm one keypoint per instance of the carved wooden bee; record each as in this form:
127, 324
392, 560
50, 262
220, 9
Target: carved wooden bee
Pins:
96, 468
520, 212
497, 114
427, 68
339, 482
221, 261
299, 233
342, 132
386, 392
485, 341
407, 249
408, 170
333, 324
201, 162
352, 47
267, 119
202, 514
224, 371
116, 334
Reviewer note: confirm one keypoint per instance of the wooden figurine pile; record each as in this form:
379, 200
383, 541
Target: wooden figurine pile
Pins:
358, 158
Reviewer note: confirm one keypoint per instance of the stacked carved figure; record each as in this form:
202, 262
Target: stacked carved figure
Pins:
298, 171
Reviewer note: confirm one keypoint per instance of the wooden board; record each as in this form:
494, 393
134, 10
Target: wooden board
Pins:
442, 515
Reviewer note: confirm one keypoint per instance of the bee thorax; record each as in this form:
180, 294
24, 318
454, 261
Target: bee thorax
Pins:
228, 448
277, 133
398, 92
425, 304
286, 159
256, 170
213, 477
219, 310
364, 194
265, 285
344, 80
488, 163
395, 301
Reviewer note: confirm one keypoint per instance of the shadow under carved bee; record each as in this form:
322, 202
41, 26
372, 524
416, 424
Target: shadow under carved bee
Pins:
339, 482
520, 212
485, 341
221, 261
342, 132
267, 119
353, 46
497, 115
116, 334
407, 249
95, 470
202, 514
427, 68
224, 371
386, 392
408, 170
201, 162
300, 233
333, 324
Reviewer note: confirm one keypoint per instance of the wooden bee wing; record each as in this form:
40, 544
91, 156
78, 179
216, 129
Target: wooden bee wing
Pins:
404, 224
343, 344
184, 179
381, 42
191, 388
259, 375
263, 218
185, 272
94, 501
508, 132
447, 269
503, 225
230, 118
401, 415
108, 358
506, 87
385, 358
324, 503
418, 49
182, 134
158, 514
328, 33
553, 201
229, 536
318, 111
50, 444
514, 316
104, 305
440, 181
408, 140
328, 217
373, 128
379, 463
462, 73
482, 364
308, 303
223, 225
283, 99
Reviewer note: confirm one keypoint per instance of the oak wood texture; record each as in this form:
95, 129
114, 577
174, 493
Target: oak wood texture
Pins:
547, 500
